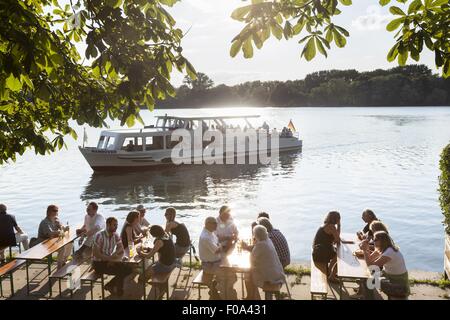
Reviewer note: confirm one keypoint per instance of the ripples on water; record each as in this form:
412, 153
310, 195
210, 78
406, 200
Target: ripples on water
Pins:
353, 158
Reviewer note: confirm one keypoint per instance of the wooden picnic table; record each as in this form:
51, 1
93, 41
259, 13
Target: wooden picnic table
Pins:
350, 267
235, 262
44, 250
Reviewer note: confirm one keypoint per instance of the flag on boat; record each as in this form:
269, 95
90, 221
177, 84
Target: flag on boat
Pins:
85, 137
291, 126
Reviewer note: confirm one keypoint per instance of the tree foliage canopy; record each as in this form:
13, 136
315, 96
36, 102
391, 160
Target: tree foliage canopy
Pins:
420, 23
444, 186
132, 47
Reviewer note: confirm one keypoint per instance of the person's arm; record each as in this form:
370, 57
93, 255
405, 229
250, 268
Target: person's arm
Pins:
129, 233
375, 259
98, 253
118, 254
81, 231
158, 245
48, 232
170, 225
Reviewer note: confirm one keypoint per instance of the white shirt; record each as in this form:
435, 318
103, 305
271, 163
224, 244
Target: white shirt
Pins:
208, 246
96, 222
226, 229
396, 265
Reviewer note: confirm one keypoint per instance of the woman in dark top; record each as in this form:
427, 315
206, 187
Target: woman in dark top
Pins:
165, 248
324, 253
128, 234
179, 230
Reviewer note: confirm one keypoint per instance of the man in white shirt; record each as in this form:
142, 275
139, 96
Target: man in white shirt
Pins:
93, 223
227, 231
211, 253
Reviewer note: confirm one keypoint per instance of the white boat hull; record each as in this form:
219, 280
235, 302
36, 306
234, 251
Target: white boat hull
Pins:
100, 159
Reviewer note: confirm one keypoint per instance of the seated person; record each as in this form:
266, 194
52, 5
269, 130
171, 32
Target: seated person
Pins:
10, 232
49, 228
130, 146
143, 225
323, 252
388, 257
265, 264
128, 235
263, 215
227, 231
93, 223
278, 240
211, 253
179, 230
108, 250
368, 216
165, 248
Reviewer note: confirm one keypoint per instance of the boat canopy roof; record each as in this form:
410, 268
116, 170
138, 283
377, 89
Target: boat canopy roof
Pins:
207, 118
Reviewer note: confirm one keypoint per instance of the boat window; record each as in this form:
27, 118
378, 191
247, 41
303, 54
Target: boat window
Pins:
132, 144
110, 143
101, 142
154, 143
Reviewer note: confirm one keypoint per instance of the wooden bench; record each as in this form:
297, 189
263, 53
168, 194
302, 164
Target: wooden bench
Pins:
7, 270
161, 280
319, 282
200, 281
63, 274
272, 289
92, 277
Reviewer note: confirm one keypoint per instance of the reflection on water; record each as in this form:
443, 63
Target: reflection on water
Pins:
399, 120
183, 187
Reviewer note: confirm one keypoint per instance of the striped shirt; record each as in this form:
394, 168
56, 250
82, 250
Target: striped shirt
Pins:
106, 243
281, 246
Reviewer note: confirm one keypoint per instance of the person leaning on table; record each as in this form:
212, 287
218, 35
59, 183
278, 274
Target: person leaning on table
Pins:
211, 253
10, 232
93, 223
265, 264
388, 257
108, 252
50, 228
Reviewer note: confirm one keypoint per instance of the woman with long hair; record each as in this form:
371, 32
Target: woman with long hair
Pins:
388, 257
324, 252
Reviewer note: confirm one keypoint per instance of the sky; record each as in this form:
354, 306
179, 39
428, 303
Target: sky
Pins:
211, 30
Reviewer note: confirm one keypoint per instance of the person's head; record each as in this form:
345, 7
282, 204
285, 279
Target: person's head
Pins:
111, 225
254, 223
266, 223
2, 208
332, 217
260, 233
383, 241
224, 213
376, 226
92, 209
211, 224
170, 214
157, 231
133, 217
368, 216
52, 212
142, 210
263, 215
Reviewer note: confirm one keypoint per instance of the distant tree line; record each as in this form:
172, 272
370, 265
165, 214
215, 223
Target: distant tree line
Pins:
411, 85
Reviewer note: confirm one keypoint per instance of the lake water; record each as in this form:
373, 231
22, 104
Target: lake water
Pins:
385, 159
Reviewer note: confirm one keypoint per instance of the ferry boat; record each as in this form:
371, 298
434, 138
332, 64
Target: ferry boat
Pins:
152, 145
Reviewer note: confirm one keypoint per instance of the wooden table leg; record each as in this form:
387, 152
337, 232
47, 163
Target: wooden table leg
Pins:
28, 278
49, 269
145, 281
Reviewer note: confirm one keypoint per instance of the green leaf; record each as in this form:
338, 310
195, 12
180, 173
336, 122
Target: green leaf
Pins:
309, 51
339, 39
402, 58
277, 31
190, 70
240, 13
247, 48
13, 83
131, 120
393, 53
235, 47
396, 11
384, 2
346, 2
320, 47
394, 24
298, 27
